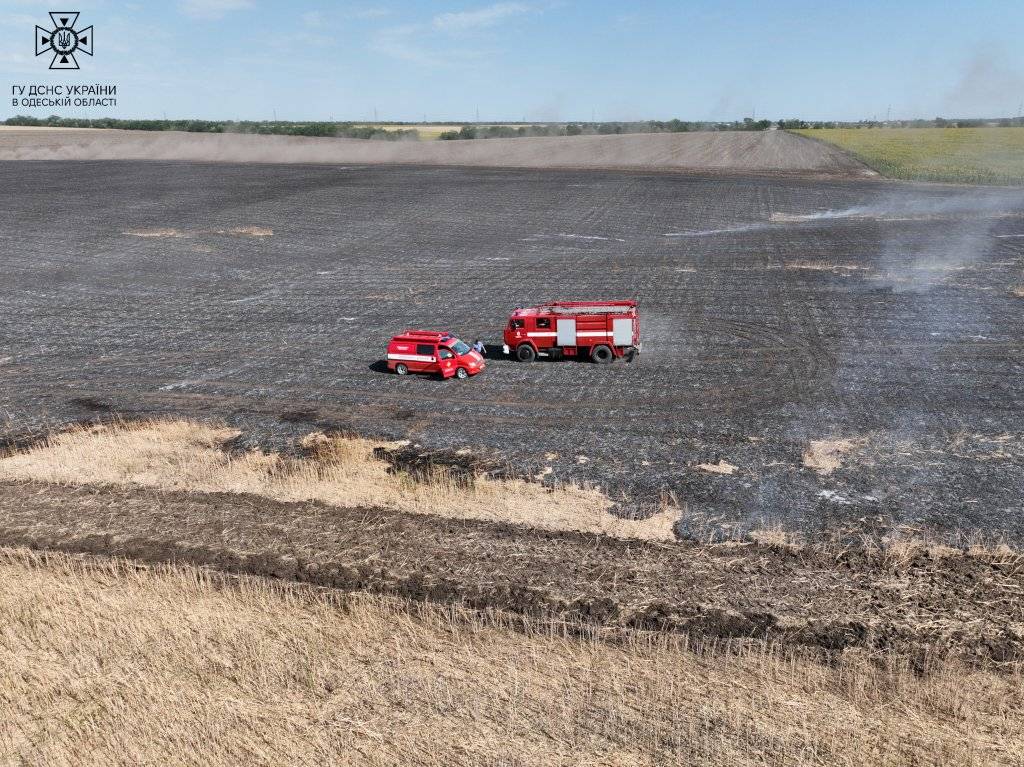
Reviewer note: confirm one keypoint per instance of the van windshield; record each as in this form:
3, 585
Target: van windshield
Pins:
460, 348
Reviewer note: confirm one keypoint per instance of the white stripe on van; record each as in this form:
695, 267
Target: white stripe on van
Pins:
411, 357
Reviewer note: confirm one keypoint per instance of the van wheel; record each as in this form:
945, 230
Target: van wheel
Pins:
601, 354
525, 353
401, 369
461, 374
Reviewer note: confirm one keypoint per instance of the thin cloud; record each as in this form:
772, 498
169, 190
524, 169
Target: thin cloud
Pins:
15, 59
490, 16
21, 19
212, 9
319, 20
418, 44
370, 13
402, 43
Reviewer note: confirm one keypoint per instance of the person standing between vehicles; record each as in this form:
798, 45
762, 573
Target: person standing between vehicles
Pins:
478, 347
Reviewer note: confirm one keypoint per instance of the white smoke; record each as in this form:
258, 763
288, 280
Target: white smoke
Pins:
913, 255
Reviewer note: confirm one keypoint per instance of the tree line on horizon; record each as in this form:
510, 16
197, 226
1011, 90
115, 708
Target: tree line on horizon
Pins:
475, 131
396, 131
277, 128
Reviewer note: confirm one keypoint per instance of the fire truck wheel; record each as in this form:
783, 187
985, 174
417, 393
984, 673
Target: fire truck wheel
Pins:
462, 373
601, 354
525, 353
401, 369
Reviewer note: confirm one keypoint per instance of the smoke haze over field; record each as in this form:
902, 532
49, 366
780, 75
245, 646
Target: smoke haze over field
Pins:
914, 255
989, 79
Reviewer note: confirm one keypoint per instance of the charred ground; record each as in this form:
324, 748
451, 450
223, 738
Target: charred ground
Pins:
776, 311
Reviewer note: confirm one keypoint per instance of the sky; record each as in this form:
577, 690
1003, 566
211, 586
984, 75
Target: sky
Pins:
543, 60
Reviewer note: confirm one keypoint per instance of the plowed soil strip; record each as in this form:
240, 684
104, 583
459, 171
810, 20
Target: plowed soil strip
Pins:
959, 604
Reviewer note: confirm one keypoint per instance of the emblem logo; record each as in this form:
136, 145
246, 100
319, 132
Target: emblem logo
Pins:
63, 40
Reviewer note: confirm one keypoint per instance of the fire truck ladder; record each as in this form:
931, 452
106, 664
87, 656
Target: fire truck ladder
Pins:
611, 307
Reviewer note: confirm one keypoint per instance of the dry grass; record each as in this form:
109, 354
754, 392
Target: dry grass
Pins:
102, 663
246, 231
722, 467
426, 131
824, 266
154, 233
898, 548
235, 231
341, 471
826, 455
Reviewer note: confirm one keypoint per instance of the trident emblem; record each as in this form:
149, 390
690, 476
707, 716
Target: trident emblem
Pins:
63, 40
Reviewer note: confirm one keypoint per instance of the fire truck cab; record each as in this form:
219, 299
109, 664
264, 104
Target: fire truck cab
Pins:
598, 330
431, 351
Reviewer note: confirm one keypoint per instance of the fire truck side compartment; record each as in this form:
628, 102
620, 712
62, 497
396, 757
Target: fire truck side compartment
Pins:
622, 331
566, 332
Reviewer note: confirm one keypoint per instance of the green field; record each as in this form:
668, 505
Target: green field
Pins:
968, 155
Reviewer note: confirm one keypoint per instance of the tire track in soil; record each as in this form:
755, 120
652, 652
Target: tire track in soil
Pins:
961, 606
770, 347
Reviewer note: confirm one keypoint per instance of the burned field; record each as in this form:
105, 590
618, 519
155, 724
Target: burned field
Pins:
828, 357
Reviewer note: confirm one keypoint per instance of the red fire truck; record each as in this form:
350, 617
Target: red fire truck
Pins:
431, 351
600, 330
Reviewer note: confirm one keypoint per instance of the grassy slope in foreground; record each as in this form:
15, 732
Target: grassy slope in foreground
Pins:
105, 663
968, 155
182, 455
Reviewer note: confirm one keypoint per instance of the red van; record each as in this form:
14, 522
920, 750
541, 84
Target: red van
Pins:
430, 351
